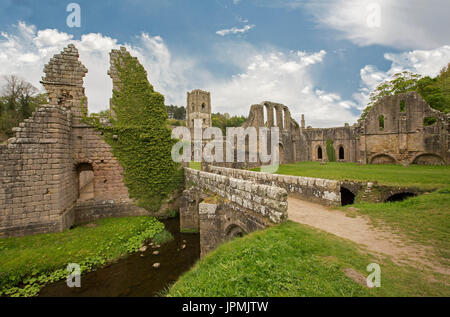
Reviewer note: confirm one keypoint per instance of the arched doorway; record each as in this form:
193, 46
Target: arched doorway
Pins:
319, 153
341, 153
85, 174
347, 197
382, 159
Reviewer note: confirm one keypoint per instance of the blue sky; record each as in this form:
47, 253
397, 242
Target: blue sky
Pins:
320, 58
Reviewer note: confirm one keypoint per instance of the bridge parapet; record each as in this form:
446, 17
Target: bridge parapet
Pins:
323, 191
267, 201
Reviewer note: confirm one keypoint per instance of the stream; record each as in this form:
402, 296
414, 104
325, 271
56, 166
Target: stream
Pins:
134, 275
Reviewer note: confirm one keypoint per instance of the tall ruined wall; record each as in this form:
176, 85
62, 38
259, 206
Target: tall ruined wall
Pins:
319, 190
40, 167
291, 141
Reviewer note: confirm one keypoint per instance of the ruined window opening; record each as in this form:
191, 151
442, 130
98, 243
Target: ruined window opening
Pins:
319, 153
203, 107
427, 121
381, 122
402, 106
274, 116
341, 152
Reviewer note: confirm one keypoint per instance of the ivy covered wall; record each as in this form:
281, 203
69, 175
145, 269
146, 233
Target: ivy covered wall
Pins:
139, 135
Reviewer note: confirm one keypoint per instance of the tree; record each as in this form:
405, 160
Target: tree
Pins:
175, 112
223, 121
18, 100
435, 91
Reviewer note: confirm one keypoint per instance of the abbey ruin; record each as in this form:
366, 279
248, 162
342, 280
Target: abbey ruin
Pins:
58, 171
400, 129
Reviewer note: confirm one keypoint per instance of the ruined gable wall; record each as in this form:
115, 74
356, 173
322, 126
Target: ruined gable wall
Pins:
404, 138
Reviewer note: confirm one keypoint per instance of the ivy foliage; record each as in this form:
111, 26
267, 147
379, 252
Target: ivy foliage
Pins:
140, 137
330, 151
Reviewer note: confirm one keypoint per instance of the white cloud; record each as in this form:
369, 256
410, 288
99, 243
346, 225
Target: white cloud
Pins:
265, 73
404, 24
25, 52
283, 78
235, 30
424, 62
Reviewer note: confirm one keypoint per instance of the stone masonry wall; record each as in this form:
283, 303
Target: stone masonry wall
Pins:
319, 190
33, 177
268, 202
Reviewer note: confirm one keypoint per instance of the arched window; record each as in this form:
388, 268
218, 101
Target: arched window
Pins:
381, 122
319, 153
341, 152
203, 107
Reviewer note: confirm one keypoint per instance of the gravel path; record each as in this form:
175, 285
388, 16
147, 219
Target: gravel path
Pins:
359, 230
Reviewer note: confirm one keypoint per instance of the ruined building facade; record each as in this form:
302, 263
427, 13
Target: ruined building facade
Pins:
400, 129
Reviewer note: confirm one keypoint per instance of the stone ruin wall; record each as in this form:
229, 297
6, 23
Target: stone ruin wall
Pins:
39, 168
404, 139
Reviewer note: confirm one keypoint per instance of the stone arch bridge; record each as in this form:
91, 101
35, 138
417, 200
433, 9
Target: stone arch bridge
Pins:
224, 202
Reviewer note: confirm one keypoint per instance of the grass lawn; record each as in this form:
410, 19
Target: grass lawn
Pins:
414, 175
425, 219
33, 261
195, 165
295, 260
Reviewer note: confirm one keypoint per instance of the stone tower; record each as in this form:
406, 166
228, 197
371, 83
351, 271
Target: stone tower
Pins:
198, 106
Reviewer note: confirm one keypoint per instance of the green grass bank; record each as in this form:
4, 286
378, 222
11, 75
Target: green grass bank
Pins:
27, 263
294, 260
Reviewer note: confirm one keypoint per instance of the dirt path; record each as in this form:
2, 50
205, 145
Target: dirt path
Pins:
359, 230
